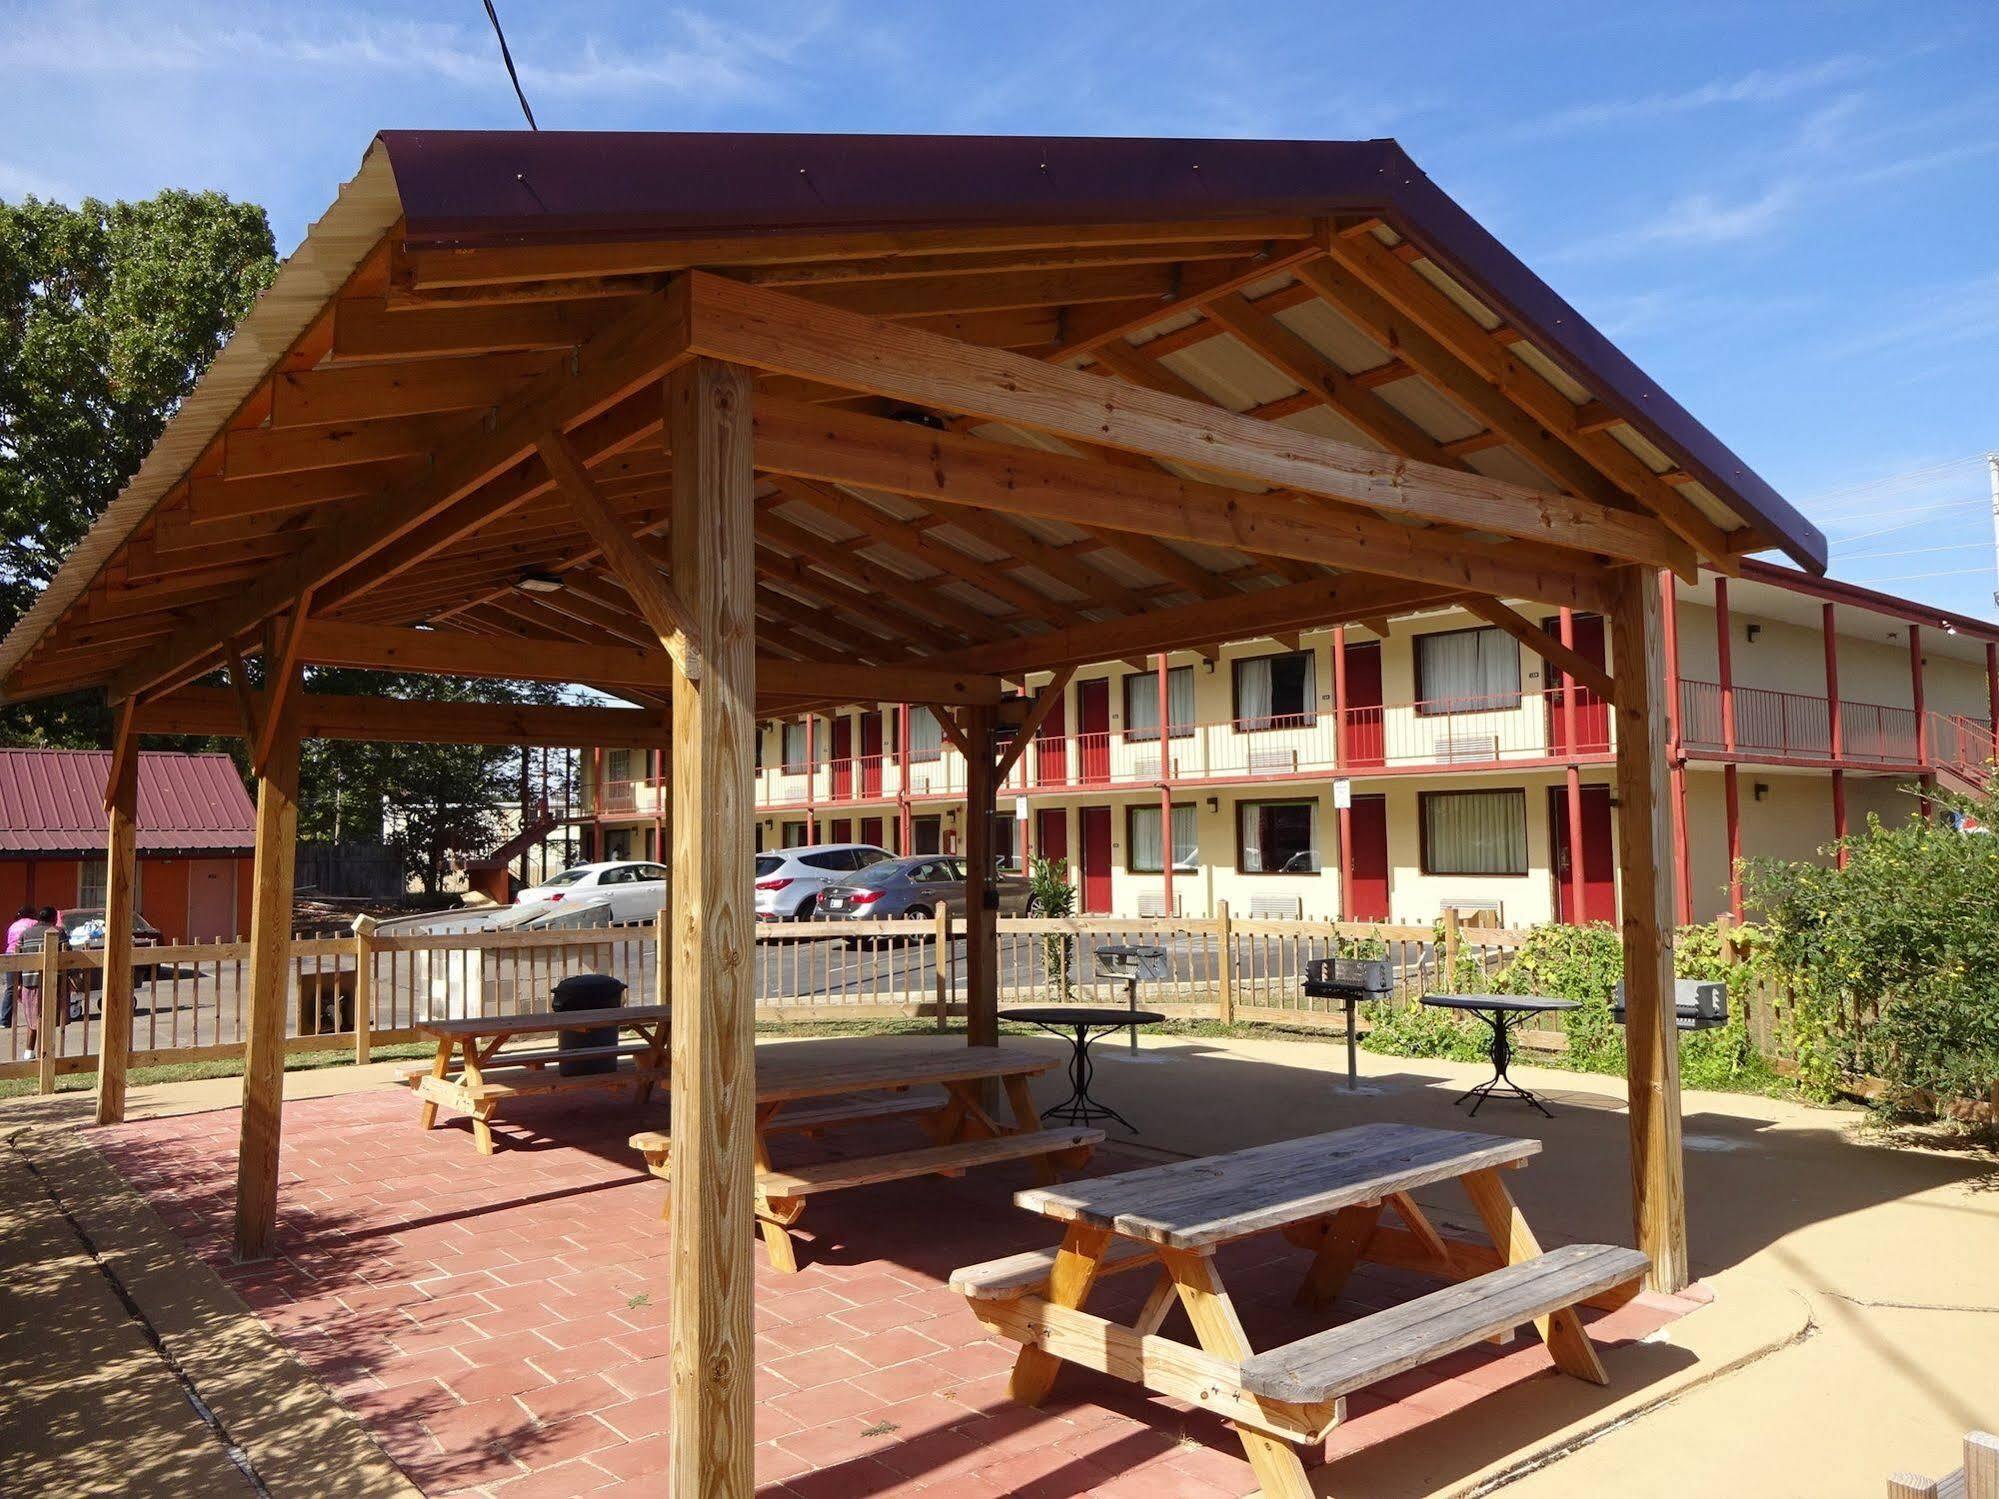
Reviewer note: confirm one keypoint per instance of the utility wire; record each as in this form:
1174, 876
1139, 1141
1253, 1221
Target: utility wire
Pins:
508, 58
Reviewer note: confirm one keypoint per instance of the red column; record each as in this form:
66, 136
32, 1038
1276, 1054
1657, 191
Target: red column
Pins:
905, 821
811, 775
1992, 686
1676, 756
1922, 716
1340, 767
1731, 795
1835, 724
1165, 791
1577, 913
597, 802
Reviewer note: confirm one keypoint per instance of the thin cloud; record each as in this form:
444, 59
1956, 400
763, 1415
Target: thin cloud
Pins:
1696, 220
1763, 86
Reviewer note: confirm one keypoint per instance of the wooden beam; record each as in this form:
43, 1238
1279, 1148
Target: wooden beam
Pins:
265, 452
655, 598
1644, 852
1544, 645
364, 329
824, 444
270, 962
121, 877
246, 702
773, 331
378, 392
981, 909
627, 356
215, 500
213, 711
873, 684
281, 669
1045, 702
714, 1053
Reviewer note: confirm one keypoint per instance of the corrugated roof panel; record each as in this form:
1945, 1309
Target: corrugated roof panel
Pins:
53, 801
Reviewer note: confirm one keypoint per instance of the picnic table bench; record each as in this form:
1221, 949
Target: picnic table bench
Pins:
809, 1086
486, 1076
1325, 1193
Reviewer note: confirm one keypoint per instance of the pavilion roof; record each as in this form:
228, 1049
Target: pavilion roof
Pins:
340, 441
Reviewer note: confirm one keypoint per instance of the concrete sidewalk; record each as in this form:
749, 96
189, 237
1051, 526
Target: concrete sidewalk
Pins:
1854, 1331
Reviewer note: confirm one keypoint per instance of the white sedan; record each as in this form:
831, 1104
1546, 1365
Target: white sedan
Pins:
634, 890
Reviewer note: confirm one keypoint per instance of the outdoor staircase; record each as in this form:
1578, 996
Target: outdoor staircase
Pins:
1964, 749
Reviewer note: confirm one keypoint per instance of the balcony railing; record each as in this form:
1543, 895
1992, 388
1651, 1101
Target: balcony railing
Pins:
1528, 729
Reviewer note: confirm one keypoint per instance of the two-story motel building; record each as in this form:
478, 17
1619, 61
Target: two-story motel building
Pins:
1383, 776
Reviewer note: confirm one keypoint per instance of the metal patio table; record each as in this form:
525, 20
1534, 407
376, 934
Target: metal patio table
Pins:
1079, 1025
1503, 1013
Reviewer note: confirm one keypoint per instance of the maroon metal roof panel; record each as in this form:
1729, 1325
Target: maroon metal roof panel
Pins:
52, 801
462, 188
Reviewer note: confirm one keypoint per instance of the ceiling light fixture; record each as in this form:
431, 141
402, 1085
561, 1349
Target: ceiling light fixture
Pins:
539, 583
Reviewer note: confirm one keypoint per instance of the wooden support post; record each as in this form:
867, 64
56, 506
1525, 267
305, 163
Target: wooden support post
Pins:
1658, 1175
713, 1392
270, 966
1224, 963
1724, 927
941, 966
981, 913
364, 986
1450, 974
50, 1010
114, 1039
1676, 755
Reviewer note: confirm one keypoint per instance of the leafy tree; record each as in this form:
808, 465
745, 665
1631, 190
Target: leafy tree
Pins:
109, 312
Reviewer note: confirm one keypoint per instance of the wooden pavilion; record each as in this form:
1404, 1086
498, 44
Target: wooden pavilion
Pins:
739, 426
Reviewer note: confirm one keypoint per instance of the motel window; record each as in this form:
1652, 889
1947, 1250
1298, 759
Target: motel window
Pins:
794, 745
794, 835
1276, 692
1467, 671
1474, 832
1277, 837
617, 766
92, 883
1142, 851
926, 736
1005, 837
1141, 704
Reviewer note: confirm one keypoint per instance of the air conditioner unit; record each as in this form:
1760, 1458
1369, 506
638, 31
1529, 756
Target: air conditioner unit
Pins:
1483, 911
1276, 907
1153, 903
1147, 769
1269, 761
1466, 749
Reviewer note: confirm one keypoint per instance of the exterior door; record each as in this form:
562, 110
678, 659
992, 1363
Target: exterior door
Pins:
1365, 741
843, 758
1093, 733
1599, 854
925, 833
1592, 712
1094, 827
871, 761
871, 832
840, 830
1051, 834
211, 900
1367, 829
1051, 749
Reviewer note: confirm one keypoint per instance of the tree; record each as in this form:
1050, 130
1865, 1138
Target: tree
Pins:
109, 312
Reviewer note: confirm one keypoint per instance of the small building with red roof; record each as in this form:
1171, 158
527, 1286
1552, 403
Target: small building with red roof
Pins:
197, 826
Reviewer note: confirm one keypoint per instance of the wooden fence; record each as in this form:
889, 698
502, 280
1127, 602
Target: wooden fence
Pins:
370, 989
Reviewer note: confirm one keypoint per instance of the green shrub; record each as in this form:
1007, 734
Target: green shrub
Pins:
1054, 896
1416, 1030
1582, 963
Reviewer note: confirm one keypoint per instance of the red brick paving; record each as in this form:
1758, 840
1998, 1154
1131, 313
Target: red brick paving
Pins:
499, 1323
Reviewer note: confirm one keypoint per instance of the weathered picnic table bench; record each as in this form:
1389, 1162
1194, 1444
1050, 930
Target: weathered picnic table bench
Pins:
860, 1082
485, 1076
1325, 1193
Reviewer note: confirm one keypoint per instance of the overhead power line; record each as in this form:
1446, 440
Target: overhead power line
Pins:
508, 58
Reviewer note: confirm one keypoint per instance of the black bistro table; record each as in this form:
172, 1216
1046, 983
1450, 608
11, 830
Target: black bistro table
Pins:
1503, 1012
1079, 1025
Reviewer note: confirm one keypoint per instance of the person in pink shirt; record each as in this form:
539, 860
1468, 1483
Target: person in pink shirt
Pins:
23, 920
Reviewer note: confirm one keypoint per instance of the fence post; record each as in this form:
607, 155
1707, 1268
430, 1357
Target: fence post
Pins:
364, 987
1450, 949
940, 962
662, 964
1724, 926
50, 1025
1225, 976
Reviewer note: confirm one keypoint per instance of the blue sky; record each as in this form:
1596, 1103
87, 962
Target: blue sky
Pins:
1787, 213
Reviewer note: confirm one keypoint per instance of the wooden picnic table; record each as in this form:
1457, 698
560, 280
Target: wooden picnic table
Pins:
485, 1076
862, 1081
1327, 1194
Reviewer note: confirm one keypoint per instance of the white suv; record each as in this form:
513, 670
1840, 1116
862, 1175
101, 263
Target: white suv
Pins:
789, 879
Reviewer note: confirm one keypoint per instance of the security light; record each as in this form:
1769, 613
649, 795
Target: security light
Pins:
539, 583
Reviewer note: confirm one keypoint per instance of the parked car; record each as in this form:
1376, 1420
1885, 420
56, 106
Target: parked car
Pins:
789, 880
84, 928
633, 889
913, 888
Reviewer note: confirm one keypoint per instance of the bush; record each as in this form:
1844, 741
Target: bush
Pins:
1407, 1029
1582, 963
1054, 896
1893, 961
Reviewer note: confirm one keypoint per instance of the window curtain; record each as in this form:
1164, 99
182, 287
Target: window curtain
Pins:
1469, 671
1250, 816
1145, 850
926, 736
1141, 703
794, 747
1186, 849
1253, 693
1476, 832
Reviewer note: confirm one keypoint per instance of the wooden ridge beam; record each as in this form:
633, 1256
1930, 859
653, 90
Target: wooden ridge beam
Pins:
771, 330
843, 447
1546, 646
628, 356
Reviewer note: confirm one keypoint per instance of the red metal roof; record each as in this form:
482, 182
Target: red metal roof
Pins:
52, 801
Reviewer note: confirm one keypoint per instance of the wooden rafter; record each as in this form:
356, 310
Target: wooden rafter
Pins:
1045, 703
1546, 646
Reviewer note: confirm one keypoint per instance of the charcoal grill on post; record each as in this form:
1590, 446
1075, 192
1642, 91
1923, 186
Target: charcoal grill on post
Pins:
1132, 962
1351, 980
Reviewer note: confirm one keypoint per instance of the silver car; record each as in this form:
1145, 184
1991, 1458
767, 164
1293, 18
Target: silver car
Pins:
913, 888
788, 880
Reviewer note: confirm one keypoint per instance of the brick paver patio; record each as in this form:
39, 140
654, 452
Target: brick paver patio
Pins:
500, 1322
